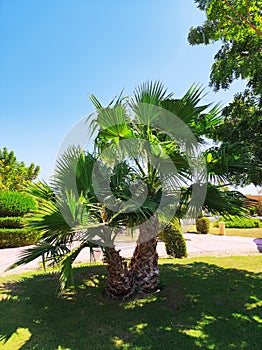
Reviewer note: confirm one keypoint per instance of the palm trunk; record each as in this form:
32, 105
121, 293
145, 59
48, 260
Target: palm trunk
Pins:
144, 263
120, 283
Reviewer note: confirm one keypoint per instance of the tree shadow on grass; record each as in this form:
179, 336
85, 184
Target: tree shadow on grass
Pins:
199, 306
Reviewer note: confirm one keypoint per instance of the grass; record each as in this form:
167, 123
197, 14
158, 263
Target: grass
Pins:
243, 232
203, 303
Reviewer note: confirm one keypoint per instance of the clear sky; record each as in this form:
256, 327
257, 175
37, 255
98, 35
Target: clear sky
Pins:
54, 53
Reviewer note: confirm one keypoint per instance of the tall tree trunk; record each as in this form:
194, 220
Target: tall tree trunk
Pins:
120, 282
144, 263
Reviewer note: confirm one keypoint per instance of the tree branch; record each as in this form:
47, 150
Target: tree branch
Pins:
233, 20
251, 25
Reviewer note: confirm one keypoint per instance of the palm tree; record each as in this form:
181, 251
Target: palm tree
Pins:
146, 168
168, 130
164, 139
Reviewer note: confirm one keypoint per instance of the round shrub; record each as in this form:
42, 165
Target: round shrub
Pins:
16, 204
11, 238
174, 240
203, 225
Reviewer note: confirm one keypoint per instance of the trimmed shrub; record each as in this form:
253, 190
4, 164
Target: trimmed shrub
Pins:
11, 238
174, 240
259, 209
16, 204
13, 207
11, 222
203, 225
252, 210
239, 222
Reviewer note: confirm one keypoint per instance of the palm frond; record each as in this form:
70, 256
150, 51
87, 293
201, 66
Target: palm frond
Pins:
65, 170
118, 99
66, 277
95, 101
227, 160
221, 201
40, 191
186, 108
51, 223
151, 92
47, 251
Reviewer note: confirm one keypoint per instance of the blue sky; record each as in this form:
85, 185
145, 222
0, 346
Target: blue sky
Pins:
55, 53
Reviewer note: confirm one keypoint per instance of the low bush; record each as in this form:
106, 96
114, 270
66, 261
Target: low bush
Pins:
174, 240
239, 222
11, 222
259, 208
11, 238
203, 225
16, 204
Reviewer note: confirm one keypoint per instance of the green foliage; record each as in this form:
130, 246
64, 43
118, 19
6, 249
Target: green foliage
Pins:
13, 206
221, 201
174, 240
11, 222
16, 204
239, 222
203, 225
238, 25
242, 125
11, 237
259, 208
236, 158
252, 211
15, 174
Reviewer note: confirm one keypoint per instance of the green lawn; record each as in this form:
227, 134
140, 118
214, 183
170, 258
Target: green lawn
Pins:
203, 303
244, 232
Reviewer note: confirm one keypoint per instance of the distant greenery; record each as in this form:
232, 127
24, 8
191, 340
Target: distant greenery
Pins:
15, 174
241, 232
239, 222
205, 303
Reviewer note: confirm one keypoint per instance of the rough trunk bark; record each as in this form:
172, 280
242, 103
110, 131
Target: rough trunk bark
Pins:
120, 282
144, 263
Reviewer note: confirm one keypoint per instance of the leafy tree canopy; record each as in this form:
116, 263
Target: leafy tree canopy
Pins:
14, 174
238, 24
243, 126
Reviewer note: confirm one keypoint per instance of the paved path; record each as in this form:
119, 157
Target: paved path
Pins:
197, 245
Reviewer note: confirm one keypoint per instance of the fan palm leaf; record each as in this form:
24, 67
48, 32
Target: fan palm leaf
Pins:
48, 252
228, 160
224, 202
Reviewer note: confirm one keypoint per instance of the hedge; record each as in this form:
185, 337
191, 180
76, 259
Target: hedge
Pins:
174, 240
11, 222
10, 238
239, 222
15, 204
